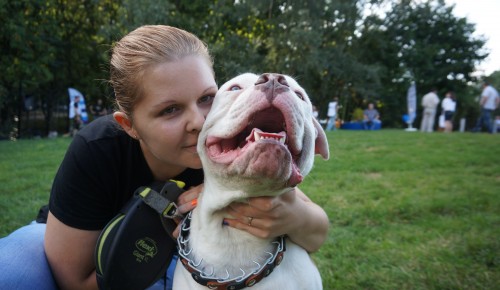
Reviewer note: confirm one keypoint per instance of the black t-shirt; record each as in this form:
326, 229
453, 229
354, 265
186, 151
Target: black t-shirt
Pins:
100, 172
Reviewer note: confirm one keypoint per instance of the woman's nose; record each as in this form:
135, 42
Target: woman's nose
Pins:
196, 120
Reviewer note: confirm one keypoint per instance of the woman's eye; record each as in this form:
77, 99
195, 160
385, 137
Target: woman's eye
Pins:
235, 88
169, 110
206, 99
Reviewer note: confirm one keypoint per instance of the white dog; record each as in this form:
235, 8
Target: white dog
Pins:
258, 140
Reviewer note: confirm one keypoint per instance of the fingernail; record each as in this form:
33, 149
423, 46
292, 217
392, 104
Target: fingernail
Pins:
194, 202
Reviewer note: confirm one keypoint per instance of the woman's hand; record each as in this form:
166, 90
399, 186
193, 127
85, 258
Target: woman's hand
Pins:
186, 202
264, 217
291, 213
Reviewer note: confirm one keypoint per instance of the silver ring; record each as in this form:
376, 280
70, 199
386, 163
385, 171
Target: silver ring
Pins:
250, 219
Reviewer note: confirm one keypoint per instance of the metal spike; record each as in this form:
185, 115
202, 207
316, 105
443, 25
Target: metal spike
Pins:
271, 256
240, 278
185, 227
258, 266
227, 272
196, 265
203, 275
184, 241
185, 252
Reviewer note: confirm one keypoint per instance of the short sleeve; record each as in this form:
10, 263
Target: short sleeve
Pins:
80, 197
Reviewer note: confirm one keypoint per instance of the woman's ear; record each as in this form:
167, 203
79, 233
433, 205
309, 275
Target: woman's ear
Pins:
122, 119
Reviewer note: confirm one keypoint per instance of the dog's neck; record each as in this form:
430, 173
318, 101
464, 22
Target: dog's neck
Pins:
230, 244
216, 197
209, 274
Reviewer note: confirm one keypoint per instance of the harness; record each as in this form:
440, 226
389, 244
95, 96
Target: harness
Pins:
226, 283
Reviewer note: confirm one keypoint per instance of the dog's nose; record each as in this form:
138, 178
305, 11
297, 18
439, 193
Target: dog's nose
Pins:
272, 85
270, 79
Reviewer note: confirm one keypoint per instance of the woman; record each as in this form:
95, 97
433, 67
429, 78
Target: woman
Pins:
448, 106
164, 86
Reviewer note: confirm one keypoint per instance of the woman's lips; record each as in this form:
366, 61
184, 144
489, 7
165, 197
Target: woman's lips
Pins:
191, 148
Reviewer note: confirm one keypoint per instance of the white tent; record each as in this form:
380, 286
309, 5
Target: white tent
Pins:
411, 98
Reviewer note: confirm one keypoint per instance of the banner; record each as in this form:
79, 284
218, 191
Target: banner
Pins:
81, 105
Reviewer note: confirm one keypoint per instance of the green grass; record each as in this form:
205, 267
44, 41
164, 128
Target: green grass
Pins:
407, 210
27, 169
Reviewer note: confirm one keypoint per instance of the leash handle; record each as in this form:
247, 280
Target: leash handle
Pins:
133, 251
162, 197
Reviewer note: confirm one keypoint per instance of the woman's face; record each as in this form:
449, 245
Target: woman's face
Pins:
177, 97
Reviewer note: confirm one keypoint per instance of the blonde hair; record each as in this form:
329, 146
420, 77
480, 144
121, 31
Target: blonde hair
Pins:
143, 48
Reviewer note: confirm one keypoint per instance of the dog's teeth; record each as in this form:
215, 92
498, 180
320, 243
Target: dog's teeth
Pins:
256, 136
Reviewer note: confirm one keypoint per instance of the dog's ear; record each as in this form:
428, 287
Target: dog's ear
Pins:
321, 143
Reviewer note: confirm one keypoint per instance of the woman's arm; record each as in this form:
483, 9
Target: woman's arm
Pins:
314, 229
291, 213
70, 253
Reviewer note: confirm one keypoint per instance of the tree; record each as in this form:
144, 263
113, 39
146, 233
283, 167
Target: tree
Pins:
310, 40
24, 58
333, 47
424, 42
53, 45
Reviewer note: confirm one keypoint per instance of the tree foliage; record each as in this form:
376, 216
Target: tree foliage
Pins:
421, 42
359, 51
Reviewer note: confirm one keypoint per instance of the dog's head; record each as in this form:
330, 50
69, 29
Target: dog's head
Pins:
260, 134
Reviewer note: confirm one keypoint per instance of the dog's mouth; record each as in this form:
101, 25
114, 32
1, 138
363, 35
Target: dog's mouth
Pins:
265, 126
268, 125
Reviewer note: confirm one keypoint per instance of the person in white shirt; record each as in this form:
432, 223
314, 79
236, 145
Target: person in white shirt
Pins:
489, 102
332, 114
430, 102
449, 106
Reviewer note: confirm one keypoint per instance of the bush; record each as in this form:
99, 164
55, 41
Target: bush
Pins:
358, 114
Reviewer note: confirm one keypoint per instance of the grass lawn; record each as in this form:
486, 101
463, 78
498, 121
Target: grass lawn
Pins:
407, 210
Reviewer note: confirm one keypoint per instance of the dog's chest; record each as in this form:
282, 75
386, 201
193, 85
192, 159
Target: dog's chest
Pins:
294, 271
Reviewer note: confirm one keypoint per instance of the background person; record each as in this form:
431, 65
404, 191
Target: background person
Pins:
448, 106
98, 109
371, 117
332, 114
489, 102
160, 115
77, 121
430, 101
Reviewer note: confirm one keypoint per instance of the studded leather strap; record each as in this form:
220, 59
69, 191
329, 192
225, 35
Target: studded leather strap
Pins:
231, 284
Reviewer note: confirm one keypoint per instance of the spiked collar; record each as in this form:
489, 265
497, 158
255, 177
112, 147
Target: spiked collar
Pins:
246, 279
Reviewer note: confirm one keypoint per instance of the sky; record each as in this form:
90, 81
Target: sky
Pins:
486, 15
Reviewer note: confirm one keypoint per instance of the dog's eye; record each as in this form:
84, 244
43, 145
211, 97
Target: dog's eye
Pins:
235, 88
300, 95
